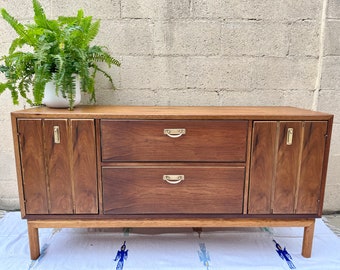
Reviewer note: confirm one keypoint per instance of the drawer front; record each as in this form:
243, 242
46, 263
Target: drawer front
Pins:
174, 140
189, 190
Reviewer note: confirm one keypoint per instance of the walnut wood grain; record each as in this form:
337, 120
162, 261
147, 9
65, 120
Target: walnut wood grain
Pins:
262, 167
32, 166
107, 170
142, 190
309, 187
284, 113
287, 168
308, 225
58, 163
293, 172
213, 141
84, 169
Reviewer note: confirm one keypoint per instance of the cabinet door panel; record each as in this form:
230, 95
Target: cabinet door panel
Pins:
311, 167
33, 166
261, 170
287, 168
84, 166
58, 167
286, 178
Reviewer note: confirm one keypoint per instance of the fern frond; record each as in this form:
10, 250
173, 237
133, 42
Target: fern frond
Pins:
39, 15
97, 54
107, 75
15, 95
18, 27
18, 42
92, 31
4, 86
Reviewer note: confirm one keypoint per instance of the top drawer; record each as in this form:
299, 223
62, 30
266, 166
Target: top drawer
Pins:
188, 140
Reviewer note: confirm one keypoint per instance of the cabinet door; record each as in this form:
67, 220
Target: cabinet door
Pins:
31, 149
286, 167
58, 161
58, 167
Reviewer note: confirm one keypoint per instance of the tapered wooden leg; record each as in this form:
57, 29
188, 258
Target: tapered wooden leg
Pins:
307, 244
33, 238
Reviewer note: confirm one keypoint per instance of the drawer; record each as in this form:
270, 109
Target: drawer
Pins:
190, 190
189, 140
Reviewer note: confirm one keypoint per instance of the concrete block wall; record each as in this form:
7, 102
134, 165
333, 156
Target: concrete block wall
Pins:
329, 97
200, 52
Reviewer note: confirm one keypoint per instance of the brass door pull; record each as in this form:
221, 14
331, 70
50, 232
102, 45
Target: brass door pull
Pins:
290, 133
56, 134
174, 132
173, 179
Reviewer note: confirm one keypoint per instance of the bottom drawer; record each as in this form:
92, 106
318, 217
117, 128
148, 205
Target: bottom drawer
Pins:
190, 190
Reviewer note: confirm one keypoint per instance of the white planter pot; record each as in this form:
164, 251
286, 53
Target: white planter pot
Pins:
52, 100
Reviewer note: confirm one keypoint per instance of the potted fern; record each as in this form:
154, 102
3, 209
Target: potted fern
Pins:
57, 52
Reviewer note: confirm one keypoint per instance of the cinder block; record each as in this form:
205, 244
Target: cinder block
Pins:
220, 73
99, 9
7, 161
332, 199
139, 97
9, 189
304, 38
187, 38
331, 73
302, 98
251, 98
333, 9
9, 204
161, 9
277, 10
260, 97
284, 73
126, 37
255, 38
187, 97
332, 39
153, 72
329, 101
333, 169
253, 72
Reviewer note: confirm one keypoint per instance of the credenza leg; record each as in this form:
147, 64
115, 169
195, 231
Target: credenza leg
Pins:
33, 238
307, 244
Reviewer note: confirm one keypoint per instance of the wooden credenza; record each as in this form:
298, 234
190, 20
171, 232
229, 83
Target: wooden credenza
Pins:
135, 166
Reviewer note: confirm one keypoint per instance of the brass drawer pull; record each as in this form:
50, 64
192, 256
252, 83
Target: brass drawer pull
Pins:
174, 132
173, 179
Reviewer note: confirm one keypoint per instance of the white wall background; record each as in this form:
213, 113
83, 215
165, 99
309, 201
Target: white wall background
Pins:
204, 52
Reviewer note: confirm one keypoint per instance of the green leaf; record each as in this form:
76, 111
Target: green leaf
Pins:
18, 27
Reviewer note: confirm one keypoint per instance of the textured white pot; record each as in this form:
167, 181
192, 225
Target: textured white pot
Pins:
51, 99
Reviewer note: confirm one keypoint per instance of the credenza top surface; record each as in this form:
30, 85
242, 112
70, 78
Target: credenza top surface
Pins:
177, 112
